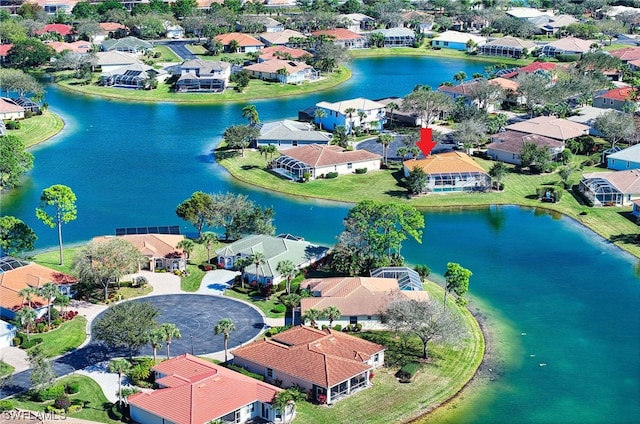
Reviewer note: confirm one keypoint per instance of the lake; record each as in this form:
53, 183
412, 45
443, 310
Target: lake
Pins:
551, 291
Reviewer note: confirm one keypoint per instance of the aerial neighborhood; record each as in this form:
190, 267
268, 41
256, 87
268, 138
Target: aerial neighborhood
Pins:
258, 324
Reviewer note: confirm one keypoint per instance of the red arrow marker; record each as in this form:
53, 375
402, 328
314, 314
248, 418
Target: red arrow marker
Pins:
426, 143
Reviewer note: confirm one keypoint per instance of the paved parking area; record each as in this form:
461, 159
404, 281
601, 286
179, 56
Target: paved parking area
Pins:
216, 281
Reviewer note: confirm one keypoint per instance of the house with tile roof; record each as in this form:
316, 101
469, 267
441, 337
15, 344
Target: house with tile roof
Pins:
450, 172
137, 76
275, 249
160, 250
79, 46
4, 51
507, 47
628, 158
317, 161
457, 40
568, 45
550, 126
110, 61
347, 114
619, 98
397, 37
194, 391
626, 54
538, 67
618, 188
361, 300
127, 44
16, 274
508, 146
328, 364
465, 90
63, 30
283, 71
357, 22
286, 134
10, 110
419, 20
282, 52
280, 38
526, 13
243, 42
199, 75
549, 25
587, 115
343, 37
109, 30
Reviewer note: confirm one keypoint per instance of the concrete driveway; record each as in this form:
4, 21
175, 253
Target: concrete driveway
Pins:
217, 281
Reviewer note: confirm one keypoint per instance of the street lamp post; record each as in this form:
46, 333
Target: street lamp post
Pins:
191, 337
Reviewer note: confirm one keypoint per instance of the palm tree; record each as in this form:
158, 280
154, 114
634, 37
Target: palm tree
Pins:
319, 114
26, 317
392, 106
332, 313
62, 301
498, 172
284, 73
385, 140
349, 112
287, 399
288, 270
251, 113
208, 239
49, 291
312, 316
224, 327
362, 115
233, 46
169, 331
291, 301
258, 258
240, 264
156, 339
187, 246
120, 366
459, 77
28, 294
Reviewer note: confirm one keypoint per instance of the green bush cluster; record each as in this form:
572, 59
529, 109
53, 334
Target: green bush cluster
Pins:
49, 393
361, 170
245, 372
352, 328
406, 373
278, 308
28, 344
140, 373
72, 387
62, 402
275, 330
13, 125
6, 405
567, 57
330, 175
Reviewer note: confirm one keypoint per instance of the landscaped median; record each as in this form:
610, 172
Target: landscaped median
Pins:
612, 223
257, 89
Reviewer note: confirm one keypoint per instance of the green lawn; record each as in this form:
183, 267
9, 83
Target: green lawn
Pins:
265, 305
390, 401
65, 338
96, 404
612, 223
196, 49
51, 259
5, 368
257, 89
38, 128
167, 54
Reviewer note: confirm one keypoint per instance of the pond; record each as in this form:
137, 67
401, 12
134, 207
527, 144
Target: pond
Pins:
551, 291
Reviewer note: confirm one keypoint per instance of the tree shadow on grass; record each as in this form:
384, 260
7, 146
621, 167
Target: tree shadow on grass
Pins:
226, 153
625, 238
249, 167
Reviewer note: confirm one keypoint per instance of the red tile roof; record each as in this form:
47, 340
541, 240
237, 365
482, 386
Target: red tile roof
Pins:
339, 34
626, 54
321, 357
622, 94
4, 49
111, 26
270, 53
61, 29
244, 40
211, 391
537, 66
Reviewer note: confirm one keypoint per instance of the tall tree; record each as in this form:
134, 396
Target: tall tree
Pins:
250, 112
426, 320
126, 325
331, 313
291, 301
498, 171
209, 239
288, 270
15, 236
14, 161
26, 316
392, 107
312, 315
457, 279
120, 367
385, 140
102, 262
28, 293
196, 210
49, 291
187, 246
42, 373
615, 126
156, 338
225, 326
319, 114
62, 200
258, 258
28, 54
416, 181
471, 132
286, 401
239, 216
427, 105
460, 76
240, 136
169, 332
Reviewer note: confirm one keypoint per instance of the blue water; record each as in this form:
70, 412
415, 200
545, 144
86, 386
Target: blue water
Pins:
575, 296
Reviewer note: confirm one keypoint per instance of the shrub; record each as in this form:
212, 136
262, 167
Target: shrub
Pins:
6, 405
422, 270
17, 341
337, 327
28, 114
245, 372
330, 175
54, 313
279, 308
177, 272
348, 329
361, 170
28, 344
40, 327
407, 372
13, 125
72, 387
62, 402
139, 374
50, 393
567, 57
358, 327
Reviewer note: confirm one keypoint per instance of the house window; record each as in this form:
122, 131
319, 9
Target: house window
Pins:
368, 317
349, 165
294, 143
250, 408
376, 357
353, 320
446, 43
269, 373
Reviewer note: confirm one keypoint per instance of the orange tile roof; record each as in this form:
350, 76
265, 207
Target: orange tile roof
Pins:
339, 34
31, 275
269, 53
244, 40
626, 53
204, 397
4, 49
353, 295
273, 66
505, 83
321, 357
152, 245
76, 46
621, 94
316, 155
445, 162
111, 26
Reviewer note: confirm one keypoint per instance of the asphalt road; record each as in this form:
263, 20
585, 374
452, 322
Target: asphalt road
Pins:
179, 47
195, 315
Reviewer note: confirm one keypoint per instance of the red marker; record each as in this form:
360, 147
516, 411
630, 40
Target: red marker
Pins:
426, 143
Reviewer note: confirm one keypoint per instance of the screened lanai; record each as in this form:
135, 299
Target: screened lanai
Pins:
290, 168
407, 278
131, 78
458, 181
601, 192
495, 50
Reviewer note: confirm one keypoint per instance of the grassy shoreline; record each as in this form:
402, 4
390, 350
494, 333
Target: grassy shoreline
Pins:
38, 128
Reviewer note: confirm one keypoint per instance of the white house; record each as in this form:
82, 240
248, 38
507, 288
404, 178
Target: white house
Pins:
284, 71
508, 146
457, 41
286, 134
353, 113
7, 333
617, 188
